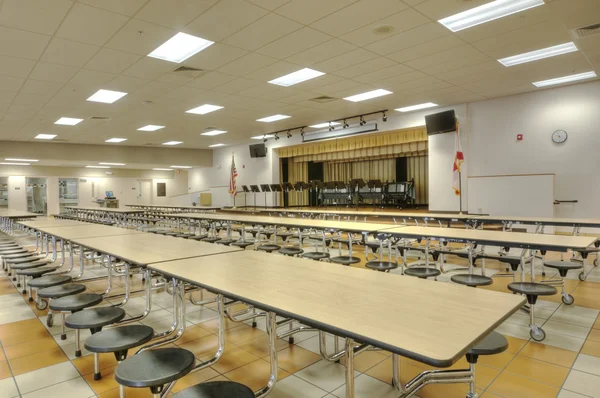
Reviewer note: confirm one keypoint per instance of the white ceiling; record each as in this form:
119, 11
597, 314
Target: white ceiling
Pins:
55, 54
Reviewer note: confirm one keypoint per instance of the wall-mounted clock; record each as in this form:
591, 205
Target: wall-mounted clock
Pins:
559, 136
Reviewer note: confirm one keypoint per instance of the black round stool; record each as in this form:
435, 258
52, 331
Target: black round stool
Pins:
317, 256
532, 291
382, 266
93, 319
269, 248
291, 251
472, 280
563, 267
493, 343
423, 272
216, 389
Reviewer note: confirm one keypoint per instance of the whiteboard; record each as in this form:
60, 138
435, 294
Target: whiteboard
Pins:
527, 195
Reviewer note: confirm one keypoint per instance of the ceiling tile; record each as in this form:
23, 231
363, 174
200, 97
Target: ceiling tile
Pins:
263, 31
448, 60
356, 15
238, 14
126, 84
474, 72
22, 44
111, 61
90, 78
340, 85
247, 64
410, 38
40, 87
149, 68
294, 43
438, 9
273, 71
210, 80
11, 84
66, 52
396, 82
52, 72
321, 52
382, 74
175, 78
90, 25
261, 90
236, 85
129, 7
425, 49
140, 37
309, 11
269, 4
151, 91
317, 82
215, 56
174, 14
400, 22
576, 13
371, 65
344, 60
17, 67
39, 16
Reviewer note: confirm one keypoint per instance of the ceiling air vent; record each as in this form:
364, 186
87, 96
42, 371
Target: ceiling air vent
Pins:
188, 72
586, 31
323, 99
99, 118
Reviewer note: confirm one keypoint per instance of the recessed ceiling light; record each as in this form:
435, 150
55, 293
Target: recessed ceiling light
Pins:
487, 12
45, 136
21, 160
151, 127
172, 143
97, 167
368, 95
112, 164
106, 96
159, 169
565, 79
214, 132
539, 54
116, 140
323, 125
215, 145
297, 77
417, 107
204, 109
273, 118
15, 164
180, 47
181, 167
260, 137
68, 121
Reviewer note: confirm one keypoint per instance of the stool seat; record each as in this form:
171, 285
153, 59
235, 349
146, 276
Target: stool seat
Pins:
493, 343
316, 255
531, 289
472, 280
12, 251
21, 257
268, 248
182, 235
155, 368
76, 302
6, 246
291, 251
563, 265
171, 233
216, 389
61, 290
345, 260
95, 317
422, 272
196, 237
119, 339
210, 240
243, 245
381, 265
29, 264
225, 242
49, 280
373, 245
35, 272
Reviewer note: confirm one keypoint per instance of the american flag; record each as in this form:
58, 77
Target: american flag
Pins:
234, 174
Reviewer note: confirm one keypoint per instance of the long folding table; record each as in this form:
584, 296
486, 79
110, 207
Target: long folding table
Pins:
9, 217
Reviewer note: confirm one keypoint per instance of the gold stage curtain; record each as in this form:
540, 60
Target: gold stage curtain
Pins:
383, 169
418, 169
297, 172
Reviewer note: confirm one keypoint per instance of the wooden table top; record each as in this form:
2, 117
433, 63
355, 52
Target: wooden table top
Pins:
176, 207
144, 249
86, 230
105, 209
431, 322
289, 222
497, 238
552, 221
6, 213
388, 214
50, 222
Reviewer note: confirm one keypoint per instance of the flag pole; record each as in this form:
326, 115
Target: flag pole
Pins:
460, 189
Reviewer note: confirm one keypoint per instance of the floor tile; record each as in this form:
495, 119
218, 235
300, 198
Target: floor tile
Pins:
534, 369
75, 388
194, 378
569, 394
594, 335
9, 388
296, 358
511, 329
515, 386
325, 375
260, 345
45, 377
554, 355
5, 370
583, 383
30, 347
366, 387
563, 341
294, 387
591, 347
567, 329
587, 364
256, 374
233, 358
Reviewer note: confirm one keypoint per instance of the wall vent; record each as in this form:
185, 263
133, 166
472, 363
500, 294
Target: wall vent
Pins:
323, 99
188, 72
586, 31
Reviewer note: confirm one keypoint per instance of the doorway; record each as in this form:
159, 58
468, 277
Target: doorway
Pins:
144, 196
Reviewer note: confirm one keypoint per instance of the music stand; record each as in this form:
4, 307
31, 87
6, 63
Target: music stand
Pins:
254, 189
355, 185
276, 188
374, 184
300, 187
265, 188
246, 191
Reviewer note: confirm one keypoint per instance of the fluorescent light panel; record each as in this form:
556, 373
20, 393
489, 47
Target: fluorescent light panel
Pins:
215, 145
214, 132
368, 95
417, 107
106, 96
151, 127
539, 54
204, 109
565, 79
181, 167
323, 125
45, 136
116, 140
296, 77
68, 121
159, 169
15, 164
260, 137
172, 143
273, 118
21, 160
180, 47
112, 164
487, 12
97, 167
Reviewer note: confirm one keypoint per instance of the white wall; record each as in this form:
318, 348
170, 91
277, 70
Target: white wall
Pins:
17, 193
52, 196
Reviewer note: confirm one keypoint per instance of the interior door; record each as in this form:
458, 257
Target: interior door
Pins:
144, 192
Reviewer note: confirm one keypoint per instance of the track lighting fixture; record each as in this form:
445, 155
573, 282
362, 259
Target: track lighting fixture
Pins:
362, 121
276, 137
384, 117
289, 134
346, 125
331, 127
